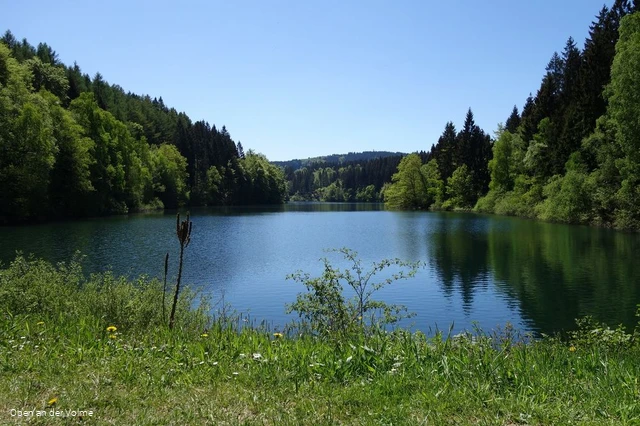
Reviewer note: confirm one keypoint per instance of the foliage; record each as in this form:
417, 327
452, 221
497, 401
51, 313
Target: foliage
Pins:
266, 180
55, 344
415, 185
324, 308
460, 189
29, 156
48, 77
570, 155
624, 110
408, 185
507, 161
567, 199
62, 293
169, 175
487, 204
433, 183
367, 194
470, 147
591, 333
462, 160
575, 168
333, 192
322, 179
77, 146
70, 183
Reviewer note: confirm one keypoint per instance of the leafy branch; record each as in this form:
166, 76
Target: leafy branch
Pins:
324, 308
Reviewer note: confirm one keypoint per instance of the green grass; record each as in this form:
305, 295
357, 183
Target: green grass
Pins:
54, 343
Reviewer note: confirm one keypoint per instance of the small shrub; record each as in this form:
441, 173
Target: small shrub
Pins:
487, 204
325, 310
40, 289
591, 333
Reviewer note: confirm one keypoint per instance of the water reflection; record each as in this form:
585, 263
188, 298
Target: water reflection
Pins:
554, 273
560, 272
488, 269
458, 254
301, 206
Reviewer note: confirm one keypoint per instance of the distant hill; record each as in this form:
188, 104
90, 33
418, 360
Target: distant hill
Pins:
336, 159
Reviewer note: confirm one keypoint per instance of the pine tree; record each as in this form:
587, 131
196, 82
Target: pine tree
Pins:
566, 117
528, 121
77, 82
513, 121
444, 151
47, 54
464, 152
595, 72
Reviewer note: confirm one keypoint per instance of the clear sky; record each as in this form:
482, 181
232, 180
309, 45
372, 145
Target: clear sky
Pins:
298, 78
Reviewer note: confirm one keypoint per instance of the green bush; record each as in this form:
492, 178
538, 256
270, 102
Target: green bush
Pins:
567, 199
592, 334
325, 310
61, 292
487, 204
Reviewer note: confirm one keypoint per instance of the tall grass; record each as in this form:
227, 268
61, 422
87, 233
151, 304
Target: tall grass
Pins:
55, 343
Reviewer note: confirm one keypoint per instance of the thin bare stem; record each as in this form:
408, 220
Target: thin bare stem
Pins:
164, 287
183, 232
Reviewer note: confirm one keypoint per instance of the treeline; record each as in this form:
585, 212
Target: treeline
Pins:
572, 155
350, 157
360, 180
72, 146
454, 174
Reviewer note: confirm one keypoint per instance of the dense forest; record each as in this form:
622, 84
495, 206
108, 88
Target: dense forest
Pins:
350, 177
572, 155
459, 159
336, 159
72, 146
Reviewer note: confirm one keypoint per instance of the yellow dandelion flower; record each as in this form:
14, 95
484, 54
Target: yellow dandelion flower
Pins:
40, 323
112, 328
204, 335
572, 349
53, 401
112, 336
277, 335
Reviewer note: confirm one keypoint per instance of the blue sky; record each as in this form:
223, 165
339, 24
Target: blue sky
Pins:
297, 79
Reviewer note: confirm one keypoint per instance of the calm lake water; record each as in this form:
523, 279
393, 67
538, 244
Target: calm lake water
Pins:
488, 270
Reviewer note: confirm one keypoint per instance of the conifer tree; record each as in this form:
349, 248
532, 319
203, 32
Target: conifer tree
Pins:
512, 123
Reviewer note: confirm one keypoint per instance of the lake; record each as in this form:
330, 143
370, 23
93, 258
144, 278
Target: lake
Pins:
480, 269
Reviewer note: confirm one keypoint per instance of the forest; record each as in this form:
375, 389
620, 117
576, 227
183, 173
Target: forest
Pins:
336, 158
75, 146
332, 180
572, 155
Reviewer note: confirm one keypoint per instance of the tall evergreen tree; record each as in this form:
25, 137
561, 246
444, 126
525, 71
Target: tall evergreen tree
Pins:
528, 121
445, 151
463, 151
512, 123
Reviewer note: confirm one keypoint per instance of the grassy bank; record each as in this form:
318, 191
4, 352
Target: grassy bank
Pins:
100, 345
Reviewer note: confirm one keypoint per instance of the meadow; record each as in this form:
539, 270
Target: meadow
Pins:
97, 350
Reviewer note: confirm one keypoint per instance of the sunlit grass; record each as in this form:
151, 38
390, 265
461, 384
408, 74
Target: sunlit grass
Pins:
122, 363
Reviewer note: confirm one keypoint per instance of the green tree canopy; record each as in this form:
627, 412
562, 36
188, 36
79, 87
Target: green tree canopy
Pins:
408, 185
460, 189
624, 109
